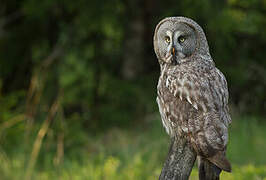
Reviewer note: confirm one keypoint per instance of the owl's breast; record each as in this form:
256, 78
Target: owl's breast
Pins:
174, 112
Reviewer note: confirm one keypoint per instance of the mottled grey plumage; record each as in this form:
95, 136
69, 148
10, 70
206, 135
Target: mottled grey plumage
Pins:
192, 92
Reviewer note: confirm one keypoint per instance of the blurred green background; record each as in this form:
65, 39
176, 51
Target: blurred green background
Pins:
78, 86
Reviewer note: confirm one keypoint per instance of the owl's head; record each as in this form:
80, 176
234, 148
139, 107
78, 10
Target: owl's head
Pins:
178, 38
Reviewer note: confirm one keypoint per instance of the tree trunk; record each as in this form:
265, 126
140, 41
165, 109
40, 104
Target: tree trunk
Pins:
207, 170
138, 56
180, 160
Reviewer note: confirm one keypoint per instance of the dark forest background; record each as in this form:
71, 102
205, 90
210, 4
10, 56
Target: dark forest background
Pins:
72, 70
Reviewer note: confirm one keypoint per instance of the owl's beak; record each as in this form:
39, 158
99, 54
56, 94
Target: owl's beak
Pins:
171, 55
173, 51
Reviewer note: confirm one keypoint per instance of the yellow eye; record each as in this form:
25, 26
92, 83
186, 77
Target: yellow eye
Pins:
181, 39
167, 39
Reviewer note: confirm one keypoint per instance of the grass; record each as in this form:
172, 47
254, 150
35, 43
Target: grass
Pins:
135, 153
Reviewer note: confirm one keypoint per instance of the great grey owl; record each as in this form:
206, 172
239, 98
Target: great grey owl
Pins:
192, 92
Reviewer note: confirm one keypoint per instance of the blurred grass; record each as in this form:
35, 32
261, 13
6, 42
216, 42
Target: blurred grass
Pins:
137, 153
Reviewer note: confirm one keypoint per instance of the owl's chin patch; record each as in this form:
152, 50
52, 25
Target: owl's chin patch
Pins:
174, 60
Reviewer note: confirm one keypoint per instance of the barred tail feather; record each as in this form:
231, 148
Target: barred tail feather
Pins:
220, 160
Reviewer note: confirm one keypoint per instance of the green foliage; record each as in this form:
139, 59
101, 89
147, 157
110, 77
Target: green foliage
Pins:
92, 39
96, 58
137, 153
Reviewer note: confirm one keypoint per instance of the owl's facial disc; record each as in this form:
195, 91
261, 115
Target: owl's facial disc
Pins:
174, 50
180, 43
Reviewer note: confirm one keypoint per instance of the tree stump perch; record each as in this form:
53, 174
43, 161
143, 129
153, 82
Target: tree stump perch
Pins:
180, 161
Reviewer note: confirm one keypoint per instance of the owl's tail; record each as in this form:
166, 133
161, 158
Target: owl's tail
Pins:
220, 160
211, 167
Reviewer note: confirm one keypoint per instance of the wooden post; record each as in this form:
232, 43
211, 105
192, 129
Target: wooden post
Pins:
207, 170
180, 160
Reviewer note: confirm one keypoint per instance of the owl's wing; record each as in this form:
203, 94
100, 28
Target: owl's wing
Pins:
219, 85
206, 92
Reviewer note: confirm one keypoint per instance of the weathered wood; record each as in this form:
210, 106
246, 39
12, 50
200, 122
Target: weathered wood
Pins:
207, 170
180, 160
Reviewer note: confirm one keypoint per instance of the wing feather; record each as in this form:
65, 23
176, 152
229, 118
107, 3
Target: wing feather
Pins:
206, 92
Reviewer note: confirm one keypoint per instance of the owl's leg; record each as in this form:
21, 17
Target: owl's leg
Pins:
207, 170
